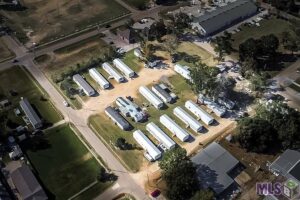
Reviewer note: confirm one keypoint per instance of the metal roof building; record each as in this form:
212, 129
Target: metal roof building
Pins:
87, 89
117, 118
188, 119
161, 136
172, 126
112, 72
151, 97
128, 108
199, 112
223, 17
162, 94
147, 145
123, 68
183, 71
214, 163
218, 110
99, 78
27, 185
30, 113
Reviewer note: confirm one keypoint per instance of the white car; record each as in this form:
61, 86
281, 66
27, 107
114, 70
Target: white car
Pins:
66, 103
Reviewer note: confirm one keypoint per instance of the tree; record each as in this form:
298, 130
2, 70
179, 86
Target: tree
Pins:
122, 144
203, 195
255, 134
258, 82
182, 21
269, 45
248, 49
223, 44
179, 173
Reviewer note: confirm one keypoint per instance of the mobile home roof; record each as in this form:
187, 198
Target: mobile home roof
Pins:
174, 127
151, 97
199, 112
187, 119
160, 135
111, 71
117, 117
99, 78
148, 146
183, 71
123, 67
83, 84
30, 113
165, 96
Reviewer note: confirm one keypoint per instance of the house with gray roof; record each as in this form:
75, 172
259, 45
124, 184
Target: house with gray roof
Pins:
30, 113
223, 17
87, 89
214, 168
116, 117
27, 185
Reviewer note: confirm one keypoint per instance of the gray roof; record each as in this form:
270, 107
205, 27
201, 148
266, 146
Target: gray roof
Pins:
163, 92
287, 164
117, 117
30, 113
213, 165
84, 85
27, 185
224, 16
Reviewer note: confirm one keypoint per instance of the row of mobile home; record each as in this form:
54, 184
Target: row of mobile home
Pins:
116, 117
87, 89
151, 97
112, 72
188, 119
199, 112
99, 78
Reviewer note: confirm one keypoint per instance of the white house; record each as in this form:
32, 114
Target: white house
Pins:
183, 71
112, 72
123, 68
99, 78
199, 112
188, 119
151, 97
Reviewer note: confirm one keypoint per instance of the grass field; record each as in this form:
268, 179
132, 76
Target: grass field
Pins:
132, 61
110, 132
66, 167
5, 52
18, 80
275, 26
43, 21
138, 4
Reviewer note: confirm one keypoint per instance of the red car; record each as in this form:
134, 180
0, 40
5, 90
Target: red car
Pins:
155, 193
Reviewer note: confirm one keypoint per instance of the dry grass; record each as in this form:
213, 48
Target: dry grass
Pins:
5, 53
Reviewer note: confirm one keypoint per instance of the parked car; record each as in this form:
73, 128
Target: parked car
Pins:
155, 193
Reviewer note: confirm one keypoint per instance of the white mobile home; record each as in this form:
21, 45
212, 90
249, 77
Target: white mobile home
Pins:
112, 72
219, 111
183, 71
151, 97
99, 78
147, 145
162, 137
188, 119
199, 112
87, 89
162, 94
123, 68
174, 128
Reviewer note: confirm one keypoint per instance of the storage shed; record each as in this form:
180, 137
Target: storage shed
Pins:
115, 116
99, 78
87, 89
151, 97
123, 68
183, 71
174, 127
147, 145
112, 72
162, 94
188, 119
199, 112
161, 136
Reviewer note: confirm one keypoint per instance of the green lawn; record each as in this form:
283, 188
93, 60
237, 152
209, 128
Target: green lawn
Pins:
132, 61
19, 80
66, 167
110, 132
5, 52
275, 26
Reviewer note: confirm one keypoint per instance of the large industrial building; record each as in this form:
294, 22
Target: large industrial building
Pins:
161, 136
174, 128
112, 72
30, 113
188, 119
223, 17
99, 78
151, 97
128, 108
199, 112
152, 152
115, 116
129, 73
87, 89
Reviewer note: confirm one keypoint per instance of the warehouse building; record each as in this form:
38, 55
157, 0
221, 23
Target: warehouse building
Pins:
174, 128
162, 94
99, 78
152, 152
223, 17
199, 112
87, 89
128, 108
129, 73
161, 136
183, 71
151, 97
30, 113
112, 72
115, 116
188, 119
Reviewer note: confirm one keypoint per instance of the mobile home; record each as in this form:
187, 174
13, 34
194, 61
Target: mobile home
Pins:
123, 68
99, 78
151, 97
199, 112
112, 72
188, 119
